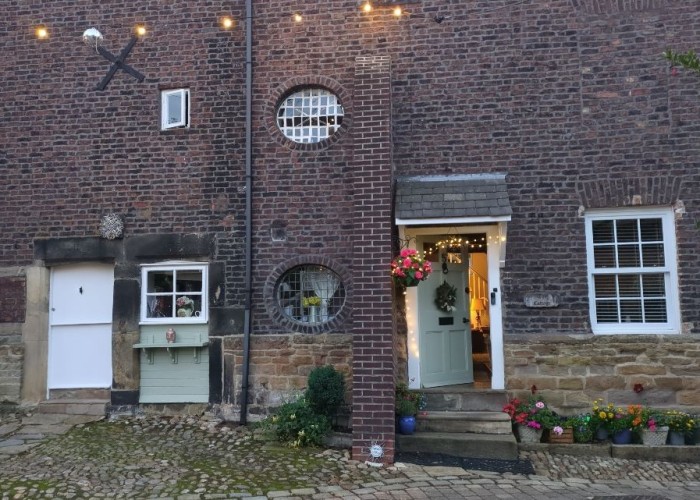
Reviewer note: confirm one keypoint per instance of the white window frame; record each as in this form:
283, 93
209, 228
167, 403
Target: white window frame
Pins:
672, 325
185, 115
309, 105
174, 267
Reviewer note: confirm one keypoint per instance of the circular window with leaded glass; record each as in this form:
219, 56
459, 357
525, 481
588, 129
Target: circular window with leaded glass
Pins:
310, 294
309, 115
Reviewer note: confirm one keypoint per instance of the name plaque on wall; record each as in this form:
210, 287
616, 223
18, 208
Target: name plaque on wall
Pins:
541, 300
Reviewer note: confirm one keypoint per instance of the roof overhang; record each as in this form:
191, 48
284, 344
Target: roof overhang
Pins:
451, 199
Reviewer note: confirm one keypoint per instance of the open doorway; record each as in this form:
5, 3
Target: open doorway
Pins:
464, 345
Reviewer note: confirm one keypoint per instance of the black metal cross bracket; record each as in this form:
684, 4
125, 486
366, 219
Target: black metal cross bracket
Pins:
118, 64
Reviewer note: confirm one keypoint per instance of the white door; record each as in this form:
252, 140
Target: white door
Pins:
80, 330
445, 337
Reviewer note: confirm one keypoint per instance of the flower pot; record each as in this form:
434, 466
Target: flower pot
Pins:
694, 437
170, 336
622, 437
407, 425
313, 314
656, 437
601, 434
529, 434
566, 437
676, 438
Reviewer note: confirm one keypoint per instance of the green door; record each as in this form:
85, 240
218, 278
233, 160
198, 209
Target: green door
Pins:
445, 337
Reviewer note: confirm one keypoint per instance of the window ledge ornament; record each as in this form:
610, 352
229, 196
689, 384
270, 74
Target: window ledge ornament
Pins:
111, 227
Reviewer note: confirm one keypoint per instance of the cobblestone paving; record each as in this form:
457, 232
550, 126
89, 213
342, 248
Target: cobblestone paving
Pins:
202, 458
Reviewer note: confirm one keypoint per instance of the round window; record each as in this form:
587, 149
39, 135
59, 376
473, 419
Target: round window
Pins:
309, 115
310, 294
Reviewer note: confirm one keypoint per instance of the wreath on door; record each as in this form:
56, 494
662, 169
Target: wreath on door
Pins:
446, 297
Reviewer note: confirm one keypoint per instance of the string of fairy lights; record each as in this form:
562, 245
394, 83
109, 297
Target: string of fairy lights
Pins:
475, 243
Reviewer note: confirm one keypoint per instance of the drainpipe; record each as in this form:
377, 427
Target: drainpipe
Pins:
248, 204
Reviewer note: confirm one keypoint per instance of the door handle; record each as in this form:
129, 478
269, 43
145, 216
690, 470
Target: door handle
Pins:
464, 320
493, 296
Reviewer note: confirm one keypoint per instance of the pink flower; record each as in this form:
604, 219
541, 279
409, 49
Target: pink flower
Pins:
539, 405
558, 430
407, 263
534, 425
404, 253
419, 275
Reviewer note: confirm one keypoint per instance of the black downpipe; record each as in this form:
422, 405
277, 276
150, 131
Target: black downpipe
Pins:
248, 204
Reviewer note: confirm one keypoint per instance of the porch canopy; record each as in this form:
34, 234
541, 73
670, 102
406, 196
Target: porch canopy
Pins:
451, 199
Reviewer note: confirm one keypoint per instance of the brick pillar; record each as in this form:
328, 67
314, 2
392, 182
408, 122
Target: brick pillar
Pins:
372, 347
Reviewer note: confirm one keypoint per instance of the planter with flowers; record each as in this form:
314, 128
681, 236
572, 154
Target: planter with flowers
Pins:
654, 430
601, 417
625, 422
532, 417
409, 268
679, 424
407, 404
185, 306
311, 305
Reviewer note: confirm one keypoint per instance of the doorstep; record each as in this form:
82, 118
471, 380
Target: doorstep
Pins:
674, 454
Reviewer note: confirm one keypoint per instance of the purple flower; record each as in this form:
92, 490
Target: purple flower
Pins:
558, 430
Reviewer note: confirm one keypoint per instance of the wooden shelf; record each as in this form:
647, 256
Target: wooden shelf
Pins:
172, 348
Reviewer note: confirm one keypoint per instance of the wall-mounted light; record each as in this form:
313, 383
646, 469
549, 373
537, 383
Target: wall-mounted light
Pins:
41, 32
367, 7
297, 17
397, 11
226, 23
140, 30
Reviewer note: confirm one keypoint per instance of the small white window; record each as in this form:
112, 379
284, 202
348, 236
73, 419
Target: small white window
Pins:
174, 293
632, 278
175, 108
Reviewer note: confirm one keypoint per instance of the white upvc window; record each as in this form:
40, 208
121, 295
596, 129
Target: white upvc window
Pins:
632, 277
175, 108
174, 292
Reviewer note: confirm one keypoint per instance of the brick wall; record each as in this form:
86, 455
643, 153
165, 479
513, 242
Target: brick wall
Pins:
572, 371
13, 299
555, 94
280, 365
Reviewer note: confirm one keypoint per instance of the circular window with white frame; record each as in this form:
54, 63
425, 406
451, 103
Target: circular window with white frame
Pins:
310, 294
309, 115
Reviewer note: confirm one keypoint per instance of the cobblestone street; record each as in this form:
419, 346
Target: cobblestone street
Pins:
49, 456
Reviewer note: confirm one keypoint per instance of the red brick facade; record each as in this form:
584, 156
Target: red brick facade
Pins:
570, 98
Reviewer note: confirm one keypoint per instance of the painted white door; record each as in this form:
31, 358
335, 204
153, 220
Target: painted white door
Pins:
80, 330
445, 338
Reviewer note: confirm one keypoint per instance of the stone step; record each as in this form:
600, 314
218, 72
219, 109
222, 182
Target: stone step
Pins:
451, 399
477, 422
497, 446
89, 393
96, 407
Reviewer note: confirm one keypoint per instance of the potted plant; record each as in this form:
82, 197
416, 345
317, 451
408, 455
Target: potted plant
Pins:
624, 423
654, 430
407, 404
311, 303
409, 268
531, 417
601, 418
563, 433
679, 424
581, 424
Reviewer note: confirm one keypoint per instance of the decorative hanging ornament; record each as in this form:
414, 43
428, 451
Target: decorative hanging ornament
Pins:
111, 227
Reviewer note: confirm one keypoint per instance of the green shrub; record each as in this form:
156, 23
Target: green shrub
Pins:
326, 390
297, 425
